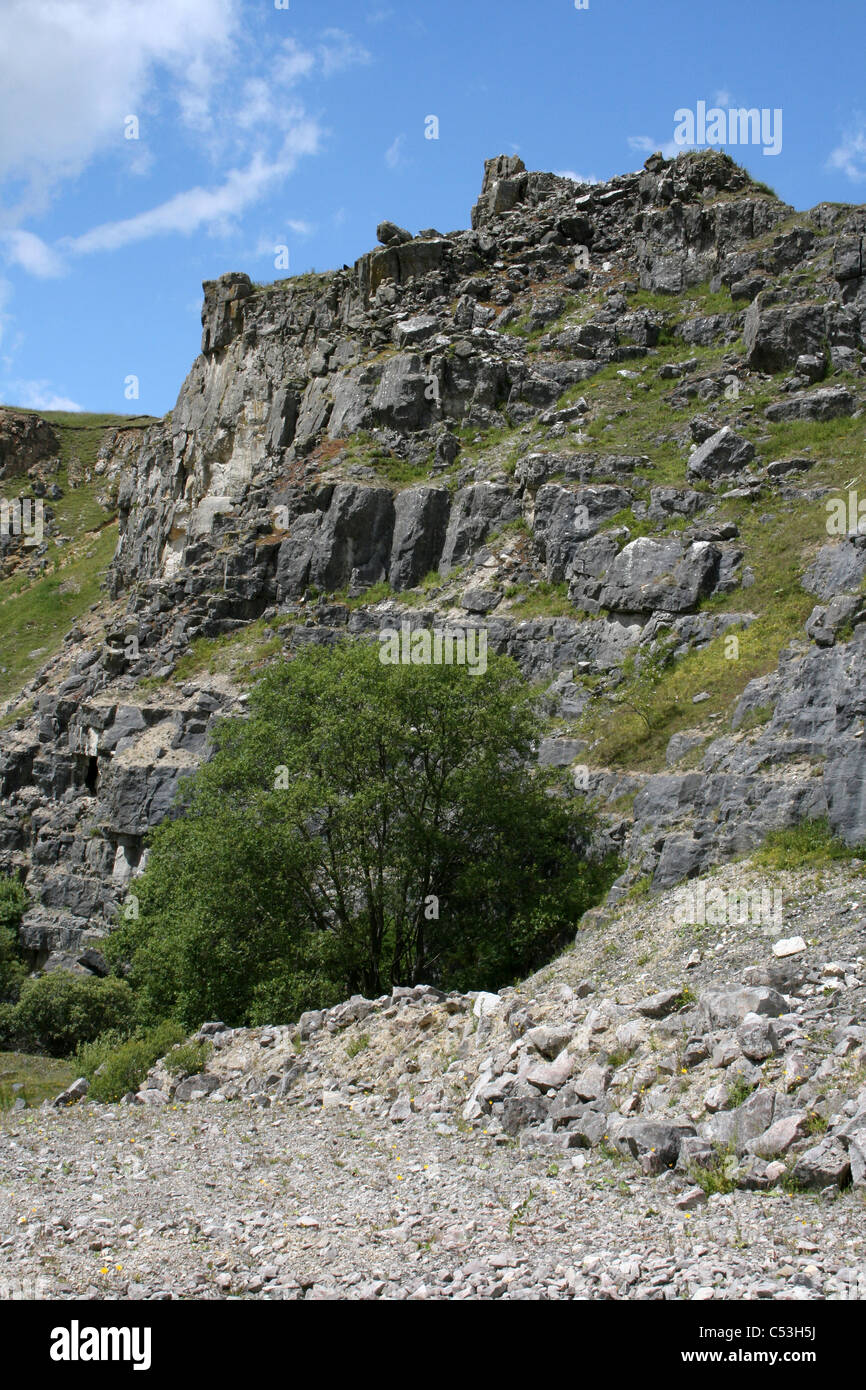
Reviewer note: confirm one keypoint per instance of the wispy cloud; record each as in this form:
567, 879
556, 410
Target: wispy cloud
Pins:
261, 133
5, 292
645, 144
337, 51
850, 155
38, 395
394, 156
71, 73
31, 253
209, 209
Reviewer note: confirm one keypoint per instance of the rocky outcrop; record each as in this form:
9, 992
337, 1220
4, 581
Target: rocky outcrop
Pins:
25, 439
423, 416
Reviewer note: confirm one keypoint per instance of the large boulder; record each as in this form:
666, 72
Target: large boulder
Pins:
403, 398
504, 186
222, 315
667, 575
727, 1008
825, 1165
565, 518
724, 452
829, 403
741, 1127
325, 547
775, 336
838, 568
655, 1146
389, 234
477, 511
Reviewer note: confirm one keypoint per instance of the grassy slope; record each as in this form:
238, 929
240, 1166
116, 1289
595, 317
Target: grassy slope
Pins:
35, 612
779, 537
40, 1078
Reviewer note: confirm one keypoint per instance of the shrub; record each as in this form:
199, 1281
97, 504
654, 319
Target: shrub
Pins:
12, 1036
115, 1064
56, 1012
13, 901
188, 1060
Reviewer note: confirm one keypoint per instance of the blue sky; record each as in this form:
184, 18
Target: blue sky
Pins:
261, 127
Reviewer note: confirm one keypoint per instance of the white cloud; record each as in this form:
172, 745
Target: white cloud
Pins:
31, 253
645, 144
267, 245
850, 155
293, 63
575, 178
5, 292
723, 97
70, 73
394, 157
38, 395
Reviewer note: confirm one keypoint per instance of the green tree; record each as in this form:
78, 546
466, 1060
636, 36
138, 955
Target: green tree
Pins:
366, 825
13, 901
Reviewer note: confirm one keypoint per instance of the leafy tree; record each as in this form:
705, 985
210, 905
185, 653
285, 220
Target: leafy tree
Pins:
13, 901
367, 825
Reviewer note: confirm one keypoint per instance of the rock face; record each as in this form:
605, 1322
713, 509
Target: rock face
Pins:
430, 415
25, 439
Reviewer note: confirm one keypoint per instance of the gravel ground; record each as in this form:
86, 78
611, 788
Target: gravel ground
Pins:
307, 1188
128, 1202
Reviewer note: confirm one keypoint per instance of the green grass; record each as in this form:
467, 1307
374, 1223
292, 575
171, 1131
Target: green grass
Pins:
544, 600
779, 539
716, 1179
739, 1092
239, 655
40, 1078
810, 845
365, 450
698, 299
35, 614
37, 609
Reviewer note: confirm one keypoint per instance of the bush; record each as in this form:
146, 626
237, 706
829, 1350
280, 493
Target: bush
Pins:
188, 1060
13, 972
57, 1012
13, 901
12, 1036
115, 1064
